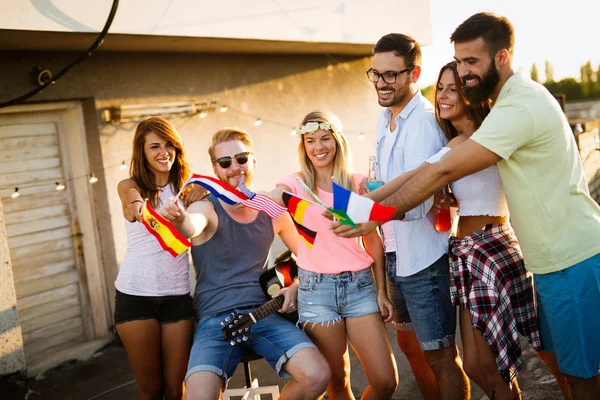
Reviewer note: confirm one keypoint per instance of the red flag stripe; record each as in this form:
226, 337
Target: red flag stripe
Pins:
263, 203
168, 225
381, 213
160, 239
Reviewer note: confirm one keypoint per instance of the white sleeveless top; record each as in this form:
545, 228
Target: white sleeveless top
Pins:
147, 269
480, 193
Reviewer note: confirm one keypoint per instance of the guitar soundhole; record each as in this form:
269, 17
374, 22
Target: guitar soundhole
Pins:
272, 289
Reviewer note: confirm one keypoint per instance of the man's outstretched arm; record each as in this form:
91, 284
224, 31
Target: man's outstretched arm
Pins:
465, 159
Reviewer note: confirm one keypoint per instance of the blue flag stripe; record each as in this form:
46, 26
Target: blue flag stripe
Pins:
341, 197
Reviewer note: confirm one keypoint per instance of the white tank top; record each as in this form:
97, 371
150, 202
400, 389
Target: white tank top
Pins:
148, 270
481, 193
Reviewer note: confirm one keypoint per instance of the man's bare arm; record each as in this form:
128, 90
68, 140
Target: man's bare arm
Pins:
465, 159
191, 222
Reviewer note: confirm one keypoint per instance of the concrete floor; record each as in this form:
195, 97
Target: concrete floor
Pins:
108, 376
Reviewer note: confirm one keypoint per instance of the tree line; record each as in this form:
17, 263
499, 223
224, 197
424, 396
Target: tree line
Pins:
586, 88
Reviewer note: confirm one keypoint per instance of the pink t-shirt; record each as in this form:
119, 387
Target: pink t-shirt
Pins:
330, 254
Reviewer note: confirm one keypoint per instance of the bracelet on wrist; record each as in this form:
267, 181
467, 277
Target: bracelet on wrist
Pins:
137, 201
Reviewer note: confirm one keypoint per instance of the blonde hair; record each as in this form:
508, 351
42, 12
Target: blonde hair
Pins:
228, 135
342, 173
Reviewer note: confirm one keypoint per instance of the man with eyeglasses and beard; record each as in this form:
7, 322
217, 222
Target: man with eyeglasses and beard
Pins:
554, 217
230, 247
416, 254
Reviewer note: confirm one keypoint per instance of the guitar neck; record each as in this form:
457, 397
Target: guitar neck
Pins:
268, 308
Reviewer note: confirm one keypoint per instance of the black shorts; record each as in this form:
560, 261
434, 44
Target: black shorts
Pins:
164, 309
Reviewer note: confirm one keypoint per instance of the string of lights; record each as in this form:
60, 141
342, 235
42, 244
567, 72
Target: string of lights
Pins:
258, 121
61, 185
202, 114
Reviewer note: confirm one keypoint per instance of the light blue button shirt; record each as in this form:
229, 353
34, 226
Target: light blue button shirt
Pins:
418, 137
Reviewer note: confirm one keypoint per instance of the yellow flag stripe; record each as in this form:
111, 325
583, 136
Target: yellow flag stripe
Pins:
300, 209
166, 238
306, 242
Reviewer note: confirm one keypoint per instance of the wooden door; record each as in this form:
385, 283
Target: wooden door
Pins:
52, 299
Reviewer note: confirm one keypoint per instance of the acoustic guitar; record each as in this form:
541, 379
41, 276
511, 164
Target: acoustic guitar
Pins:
236, 326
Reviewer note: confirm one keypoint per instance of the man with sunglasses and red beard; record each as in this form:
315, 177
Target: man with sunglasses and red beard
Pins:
230, 247
416, 253
554, 217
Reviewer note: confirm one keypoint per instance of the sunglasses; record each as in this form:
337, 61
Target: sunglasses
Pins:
240, 158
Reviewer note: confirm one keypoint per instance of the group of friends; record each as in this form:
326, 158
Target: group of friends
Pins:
505, 148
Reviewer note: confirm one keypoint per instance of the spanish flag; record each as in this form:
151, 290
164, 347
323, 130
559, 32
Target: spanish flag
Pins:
296, 207
166, 234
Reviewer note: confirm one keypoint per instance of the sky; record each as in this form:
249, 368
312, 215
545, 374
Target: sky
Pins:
566, 33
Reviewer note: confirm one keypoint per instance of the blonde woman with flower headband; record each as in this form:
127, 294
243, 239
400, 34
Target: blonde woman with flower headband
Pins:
339, 301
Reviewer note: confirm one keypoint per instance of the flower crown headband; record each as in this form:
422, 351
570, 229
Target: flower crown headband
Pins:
311, 127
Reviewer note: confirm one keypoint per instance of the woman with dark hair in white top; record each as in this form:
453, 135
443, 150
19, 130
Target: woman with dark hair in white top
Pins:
488, 279
154, 313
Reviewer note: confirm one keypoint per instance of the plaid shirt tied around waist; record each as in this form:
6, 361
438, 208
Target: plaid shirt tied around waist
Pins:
488, 278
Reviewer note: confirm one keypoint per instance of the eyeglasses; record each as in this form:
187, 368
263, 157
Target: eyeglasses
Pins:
240, 158
388, 77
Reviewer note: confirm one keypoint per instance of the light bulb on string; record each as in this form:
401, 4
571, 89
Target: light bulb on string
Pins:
294, 132
223, 108
258, 122
361, 136
93, 178
59, 187
202, 115
16, 193
123, 165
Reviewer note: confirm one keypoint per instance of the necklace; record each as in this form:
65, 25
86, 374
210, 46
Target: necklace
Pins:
161, 188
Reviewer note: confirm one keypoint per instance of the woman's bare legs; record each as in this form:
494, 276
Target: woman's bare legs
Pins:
426, 380
142, 340
551, 362
480, 364
368, 337
176, 341
330, 339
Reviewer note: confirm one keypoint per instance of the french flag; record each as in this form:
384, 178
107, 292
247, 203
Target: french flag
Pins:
358, 208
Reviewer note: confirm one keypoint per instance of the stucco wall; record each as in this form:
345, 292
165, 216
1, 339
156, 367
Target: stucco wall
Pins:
278, 89
12, 356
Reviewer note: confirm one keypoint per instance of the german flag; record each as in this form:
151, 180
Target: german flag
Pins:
166, 234
296, 207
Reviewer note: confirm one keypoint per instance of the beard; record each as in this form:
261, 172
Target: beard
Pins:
398, 95
233, 179
483, 90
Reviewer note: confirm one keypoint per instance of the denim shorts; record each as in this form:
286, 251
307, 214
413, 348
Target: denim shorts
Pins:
422, 301
568, 315
274, 338
164, 309
325, 298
